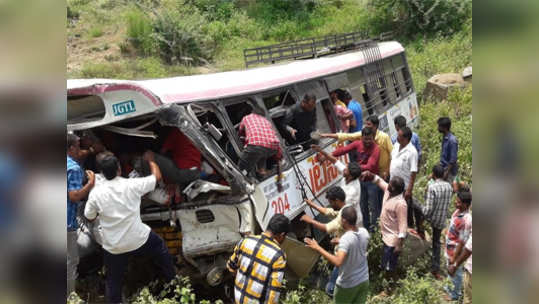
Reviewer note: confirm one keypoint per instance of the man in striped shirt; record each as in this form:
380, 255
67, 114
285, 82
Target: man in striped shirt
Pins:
258, 263
261, 142
438, 198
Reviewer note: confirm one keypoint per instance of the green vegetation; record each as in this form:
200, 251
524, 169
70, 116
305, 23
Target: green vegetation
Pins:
213, 33
163, 38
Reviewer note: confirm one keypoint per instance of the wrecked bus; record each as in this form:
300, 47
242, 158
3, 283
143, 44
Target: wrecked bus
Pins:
202, 229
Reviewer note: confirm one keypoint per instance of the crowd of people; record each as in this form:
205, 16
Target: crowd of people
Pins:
375, 195
376, 191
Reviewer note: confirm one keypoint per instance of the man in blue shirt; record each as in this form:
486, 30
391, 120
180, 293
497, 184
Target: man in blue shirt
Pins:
400, 122
354, 106
76, 192
450, 149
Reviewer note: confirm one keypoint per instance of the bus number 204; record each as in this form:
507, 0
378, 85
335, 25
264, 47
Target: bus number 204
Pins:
280, 205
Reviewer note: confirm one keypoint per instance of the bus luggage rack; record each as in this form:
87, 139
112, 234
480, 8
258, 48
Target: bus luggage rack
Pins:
310, 47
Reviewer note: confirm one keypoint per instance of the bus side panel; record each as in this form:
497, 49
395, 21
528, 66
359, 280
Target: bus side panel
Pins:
408, 108
316, 179
217, 234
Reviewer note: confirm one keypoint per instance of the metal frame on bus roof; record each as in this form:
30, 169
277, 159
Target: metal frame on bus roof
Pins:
187, 89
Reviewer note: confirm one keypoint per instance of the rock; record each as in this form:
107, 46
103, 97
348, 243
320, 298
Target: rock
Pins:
438, 86
467, 74
414, 247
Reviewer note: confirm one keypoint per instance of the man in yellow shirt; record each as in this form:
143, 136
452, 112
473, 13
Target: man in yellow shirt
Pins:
381, 138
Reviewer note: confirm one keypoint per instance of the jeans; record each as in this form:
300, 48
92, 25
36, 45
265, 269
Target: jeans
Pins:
72, 260
436, 249
172, 173
390, 259
330, 286
254, 156
455, 290
370, 204
116, 264
414, 212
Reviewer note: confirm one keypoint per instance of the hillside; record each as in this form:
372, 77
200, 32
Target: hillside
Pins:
162, 38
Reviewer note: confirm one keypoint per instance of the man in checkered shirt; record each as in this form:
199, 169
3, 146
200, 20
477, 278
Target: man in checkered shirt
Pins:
259, 262
261, 142
438, 198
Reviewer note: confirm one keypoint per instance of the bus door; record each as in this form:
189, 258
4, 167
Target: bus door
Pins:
214, 225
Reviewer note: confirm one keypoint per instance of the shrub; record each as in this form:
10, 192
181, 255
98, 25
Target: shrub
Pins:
72, 13
180, 37
413, 289
305, 295
96, 32
139, 32
215, 9
150, 67
411, 17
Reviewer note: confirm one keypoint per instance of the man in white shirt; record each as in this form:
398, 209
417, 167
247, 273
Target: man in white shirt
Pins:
404, 165
116, 200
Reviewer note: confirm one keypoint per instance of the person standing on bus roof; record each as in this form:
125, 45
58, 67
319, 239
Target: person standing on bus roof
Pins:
300, 120
261, 142
400, 122
450, 149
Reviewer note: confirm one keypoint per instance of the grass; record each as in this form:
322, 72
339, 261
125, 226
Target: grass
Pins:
96, 32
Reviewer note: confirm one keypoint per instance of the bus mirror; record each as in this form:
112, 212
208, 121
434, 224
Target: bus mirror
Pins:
215, 133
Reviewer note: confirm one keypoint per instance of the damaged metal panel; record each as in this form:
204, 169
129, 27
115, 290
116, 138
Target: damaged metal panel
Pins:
215, 228
299, 258
178, 116
201, 186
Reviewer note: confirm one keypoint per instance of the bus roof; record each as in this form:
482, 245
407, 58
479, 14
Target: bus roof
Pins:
228, 84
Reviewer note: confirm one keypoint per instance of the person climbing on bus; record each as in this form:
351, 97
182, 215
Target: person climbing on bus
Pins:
300, 120
261, 142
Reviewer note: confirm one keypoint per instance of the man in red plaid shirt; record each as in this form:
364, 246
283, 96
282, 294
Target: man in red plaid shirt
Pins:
260, 143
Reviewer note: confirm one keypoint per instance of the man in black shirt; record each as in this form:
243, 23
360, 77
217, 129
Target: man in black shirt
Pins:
301, 120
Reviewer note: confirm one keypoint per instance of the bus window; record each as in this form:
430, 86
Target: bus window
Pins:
402, 73
225, 142
396, 86
85, 108
277, 105
407, 79
367, 100
237, 111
